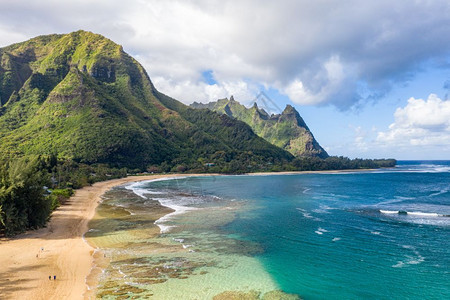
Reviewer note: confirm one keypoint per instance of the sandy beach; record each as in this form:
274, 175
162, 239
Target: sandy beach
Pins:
57, 250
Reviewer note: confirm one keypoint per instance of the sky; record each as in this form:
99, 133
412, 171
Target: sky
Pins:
370, 78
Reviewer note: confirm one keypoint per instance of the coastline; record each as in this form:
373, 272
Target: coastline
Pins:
65, 253
28, 268
311, 172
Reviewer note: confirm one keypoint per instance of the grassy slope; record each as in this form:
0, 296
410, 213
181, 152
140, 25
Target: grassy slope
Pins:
287, 130
82, 96
72, 105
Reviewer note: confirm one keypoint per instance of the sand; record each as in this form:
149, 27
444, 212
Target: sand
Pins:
25, 267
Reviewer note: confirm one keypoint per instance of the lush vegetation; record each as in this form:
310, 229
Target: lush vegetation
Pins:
32, 187
242, 163
22, 201
287, 130
81, 96
339, 163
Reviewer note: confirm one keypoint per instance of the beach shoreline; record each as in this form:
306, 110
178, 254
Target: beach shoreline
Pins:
60, 248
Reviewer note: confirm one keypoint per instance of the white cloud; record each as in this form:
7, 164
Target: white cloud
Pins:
9, 36
360, 141
316, 52
189, 92
328, 82
420, 123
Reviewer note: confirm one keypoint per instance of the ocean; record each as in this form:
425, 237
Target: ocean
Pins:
382, 234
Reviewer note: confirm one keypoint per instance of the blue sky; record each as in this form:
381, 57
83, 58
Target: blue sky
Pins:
370, 78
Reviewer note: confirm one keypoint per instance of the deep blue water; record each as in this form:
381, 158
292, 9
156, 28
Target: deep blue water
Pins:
369, 235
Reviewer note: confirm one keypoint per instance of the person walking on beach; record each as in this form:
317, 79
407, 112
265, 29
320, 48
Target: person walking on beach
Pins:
50, 277
54, 277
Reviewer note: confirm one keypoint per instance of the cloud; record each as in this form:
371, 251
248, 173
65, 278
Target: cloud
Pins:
360, 141
189, 92
343, 53
10, 36
329, 82
420, 123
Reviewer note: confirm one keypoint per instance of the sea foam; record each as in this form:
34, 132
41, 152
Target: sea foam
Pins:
415, 259
139, 190
320, 230
412, 213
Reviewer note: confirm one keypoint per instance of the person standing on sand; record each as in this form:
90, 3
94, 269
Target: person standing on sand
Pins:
50, 277
54, 277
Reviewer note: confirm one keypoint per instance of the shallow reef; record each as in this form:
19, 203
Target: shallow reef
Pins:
255, 295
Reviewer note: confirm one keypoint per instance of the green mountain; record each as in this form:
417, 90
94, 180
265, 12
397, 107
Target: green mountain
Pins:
81, 96
286, 130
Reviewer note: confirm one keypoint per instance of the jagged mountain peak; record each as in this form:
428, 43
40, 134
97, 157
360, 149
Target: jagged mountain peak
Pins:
287, 130
289, 109
291, 113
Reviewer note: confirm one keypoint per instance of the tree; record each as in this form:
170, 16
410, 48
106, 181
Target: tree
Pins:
23, 202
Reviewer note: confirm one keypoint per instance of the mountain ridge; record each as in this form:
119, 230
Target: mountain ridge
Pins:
287, 130
81, 96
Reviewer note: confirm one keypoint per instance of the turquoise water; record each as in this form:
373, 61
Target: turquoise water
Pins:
372, 235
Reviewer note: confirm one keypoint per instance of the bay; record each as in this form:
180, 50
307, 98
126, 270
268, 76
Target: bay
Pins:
379, 234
